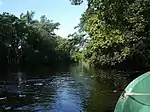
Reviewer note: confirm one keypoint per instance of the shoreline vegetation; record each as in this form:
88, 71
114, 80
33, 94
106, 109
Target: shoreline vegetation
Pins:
117, 33
111, 34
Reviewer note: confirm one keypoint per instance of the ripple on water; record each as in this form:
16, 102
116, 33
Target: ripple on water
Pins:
61, 93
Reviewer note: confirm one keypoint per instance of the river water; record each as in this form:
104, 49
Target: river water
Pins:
70, 89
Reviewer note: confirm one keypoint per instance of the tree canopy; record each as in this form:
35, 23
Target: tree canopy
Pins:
76, 2
110, 34
118, 33
26, 41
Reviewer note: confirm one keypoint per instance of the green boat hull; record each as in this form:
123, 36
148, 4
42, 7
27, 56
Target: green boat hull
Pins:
136, 103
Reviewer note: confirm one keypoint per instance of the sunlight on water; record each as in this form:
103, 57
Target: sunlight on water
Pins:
77, 90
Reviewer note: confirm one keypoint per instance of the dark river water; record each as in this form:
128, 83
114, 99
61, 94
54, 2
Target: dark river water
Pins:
68, 89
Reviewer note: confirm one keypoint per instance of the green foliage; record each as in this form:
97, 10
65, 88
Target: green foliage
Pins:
118, 31
76, 2
25, 41
76, 42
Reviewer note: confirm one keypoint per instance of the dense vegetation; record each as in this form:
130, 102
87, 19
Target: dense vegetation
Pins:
25, 41
110, 34
118, 33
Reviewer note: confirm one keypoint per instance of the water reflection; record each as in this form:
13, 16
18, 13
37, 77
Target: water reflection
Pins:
76, 90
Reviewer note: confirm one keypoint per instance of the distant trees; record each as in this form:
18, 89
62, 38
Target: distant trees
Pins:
25, 41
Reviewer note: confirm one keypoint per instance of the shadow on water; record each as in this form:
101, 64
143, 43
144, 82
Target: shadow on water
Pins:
65, 89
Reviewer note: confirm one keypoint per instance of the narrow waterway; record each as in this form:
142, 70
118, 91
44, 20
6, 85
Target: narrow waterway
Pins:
75, 89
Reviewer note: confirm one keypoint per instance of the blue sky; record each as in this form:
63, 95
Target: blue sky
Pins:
58, 10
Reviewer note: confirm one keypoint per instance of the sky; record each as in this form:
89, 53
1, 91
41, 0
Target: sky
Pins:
57, 10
